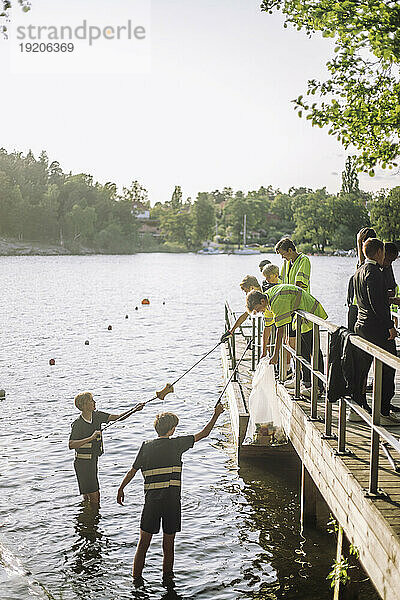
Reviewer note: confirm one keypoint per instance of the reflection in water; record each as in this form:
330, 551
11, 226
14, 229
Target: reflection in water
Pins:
89, 545
90, 551
142, 594
241, 535
285, 554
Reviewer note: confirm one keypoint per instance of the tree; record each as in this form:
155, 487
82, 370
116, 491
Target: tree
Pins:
349, 216
350, 182
234, 212
11, 204
359, 102
136, 193
282, 208
385, 214
5, 6
313, 215
203, 218
176, 200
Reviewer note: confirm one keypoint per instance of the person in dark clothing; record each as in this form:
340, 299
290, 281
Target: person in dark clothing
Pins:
343, 373
374, 322
364, 234
391, 254
160, 461
86, 439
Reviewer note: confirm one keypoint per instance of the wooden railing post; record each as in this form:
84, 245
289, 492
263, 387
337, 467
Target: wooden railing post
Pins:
376, 419
259, 337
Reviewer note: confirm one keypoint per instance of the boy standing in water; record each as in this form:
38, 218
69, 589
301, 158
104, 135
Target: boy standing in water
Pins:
87, 441
160, 461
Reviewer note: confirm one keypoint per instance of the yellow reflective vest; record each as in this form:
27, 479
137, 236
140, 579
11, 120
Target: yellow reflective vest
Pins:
298, 271
285, 298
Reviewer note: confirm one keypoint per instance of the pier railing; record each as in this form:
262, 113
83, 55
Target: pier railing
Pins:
380, 436
249, 329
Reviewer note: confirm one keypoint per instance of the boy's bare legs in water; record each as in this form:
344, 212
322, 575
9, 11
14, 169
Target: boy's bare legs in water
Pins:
141, 551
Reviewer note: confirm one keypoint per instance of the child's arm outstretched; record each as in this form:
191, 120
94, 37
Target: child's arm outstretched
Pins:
207, 429
128, 477
126, 414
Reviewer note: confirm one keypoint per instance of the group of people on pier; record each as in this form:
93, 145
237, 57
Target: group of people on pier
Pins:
372, 297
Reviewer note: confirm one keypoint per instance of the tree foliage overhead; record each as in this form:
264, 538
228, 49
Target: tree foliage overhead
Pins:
360, 100
385, 214
5, 6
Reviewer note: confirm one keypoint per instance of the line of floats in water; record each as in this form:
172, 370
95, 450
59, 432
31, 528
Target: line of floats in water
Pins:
52, 361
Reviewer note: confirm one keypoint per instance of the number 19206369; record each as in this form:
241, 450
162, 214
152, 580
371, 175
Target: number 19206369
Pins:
50, 47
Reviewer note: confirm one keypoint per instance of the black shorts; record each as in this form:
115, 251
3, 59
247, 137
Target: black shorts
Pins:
167, 510
86, 473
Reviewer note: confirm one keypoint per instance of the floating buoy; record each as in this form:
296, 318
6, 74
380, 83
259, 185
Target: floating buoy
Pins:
2, 394
52, 362
136, 308
145, 301
126, 316
109, 327
86, 342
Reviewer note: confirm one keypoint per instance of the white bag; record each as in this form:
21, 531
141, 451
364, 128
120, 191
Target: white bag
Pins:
265, 422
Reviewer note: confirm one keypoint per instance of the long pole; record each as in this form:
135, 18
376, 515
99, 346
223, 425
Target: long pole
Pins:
161, 394
234, 371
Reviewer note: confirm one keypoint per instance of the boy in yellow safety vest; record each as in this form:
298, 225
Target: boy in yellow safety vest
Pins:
283, 300
296, 267
251, 283
296, 270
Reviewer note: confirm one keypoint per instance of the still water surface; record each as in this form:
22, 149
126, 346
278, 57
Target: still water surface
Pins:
241, 537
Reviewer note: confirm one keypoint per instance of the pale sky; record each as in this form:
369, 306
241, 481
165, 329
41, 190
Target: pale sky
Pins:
212, 111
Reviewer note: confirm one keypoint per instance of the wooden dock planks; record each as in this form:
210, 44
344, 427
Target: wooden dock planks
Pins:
371, 524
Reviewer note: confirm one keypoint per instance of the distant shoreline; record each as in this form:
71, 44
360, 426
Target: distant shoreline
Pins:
14, 247
19, 248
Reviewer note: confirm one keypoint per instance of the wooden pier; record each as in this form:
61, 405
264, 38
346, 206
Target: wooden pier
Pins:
340, 468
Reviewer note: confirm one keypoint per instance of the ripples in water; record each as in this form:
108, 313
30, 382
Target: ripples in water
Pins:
241, 537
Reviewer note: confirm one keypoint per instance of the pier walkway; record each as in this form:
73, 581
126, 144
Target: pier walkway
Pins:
353, 465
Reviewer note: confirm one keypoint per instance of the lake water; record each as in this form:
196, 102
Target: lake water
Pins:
241, 535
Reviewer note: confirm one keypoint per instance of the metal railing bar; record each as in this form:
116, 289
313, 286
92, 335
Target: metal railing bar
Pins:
305, 362
369, 347
384, 433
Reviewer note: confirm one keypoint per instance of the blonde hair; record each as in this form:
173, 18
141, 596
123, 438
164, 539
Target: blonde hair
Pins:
81, 399
254, 298
270, 270
250, 282
164, 422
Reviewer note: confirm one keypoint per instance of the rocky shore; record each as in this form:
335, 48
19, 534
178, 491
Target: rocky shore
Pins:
12, 247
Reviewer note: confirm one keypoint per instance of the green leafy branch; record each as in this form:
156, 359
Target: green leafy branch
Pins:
359, 102
5, 7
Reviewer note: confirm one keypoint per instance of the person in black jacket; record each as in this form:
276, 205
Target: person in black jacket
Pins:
374, 322
364, 234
